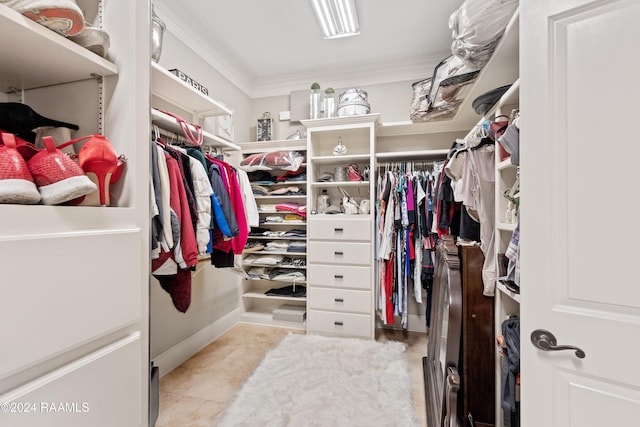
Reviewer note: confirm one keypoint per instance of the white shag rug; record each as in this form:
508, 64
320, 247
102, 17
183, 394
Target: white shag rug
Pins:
310, 380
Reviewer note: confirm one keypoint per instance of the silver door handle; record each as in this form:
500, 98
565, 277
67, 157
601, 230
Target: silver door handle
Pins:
545, 340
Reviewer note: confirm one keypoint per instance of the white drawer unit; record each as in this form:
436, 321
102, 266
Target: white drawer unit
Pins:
95, 390
338, 323
323, 227
336, 299
340, 249
340, 253
342, 276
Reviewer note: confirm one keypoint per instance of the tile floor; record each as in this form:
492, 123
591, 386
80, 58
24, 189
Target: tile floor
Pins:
196, 392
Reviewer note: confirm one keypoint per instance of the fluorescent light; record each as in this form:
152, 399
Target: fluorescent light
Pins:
338, 18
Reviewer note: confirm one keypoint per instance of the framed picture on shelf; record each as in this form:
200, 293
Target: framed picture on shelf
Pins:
264, 128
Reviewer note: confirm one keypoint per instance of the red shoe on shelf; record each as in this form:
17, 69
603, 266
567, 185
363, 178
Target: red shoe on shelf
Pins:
58, 177
353, 173
100, 163
16, 182
26, 149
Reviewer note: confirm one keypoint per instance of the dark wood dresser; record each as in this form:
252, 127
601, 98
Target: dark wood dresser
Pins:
477, 352
459, 368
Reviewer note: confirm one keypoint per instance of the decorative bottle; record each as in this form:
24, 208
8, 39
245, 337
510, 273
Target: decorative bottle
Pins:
315, 102
157, 29
329, 103
323, 201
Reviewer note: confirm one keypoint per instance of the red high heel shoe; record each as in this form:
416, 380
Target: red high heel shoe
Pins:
100, 163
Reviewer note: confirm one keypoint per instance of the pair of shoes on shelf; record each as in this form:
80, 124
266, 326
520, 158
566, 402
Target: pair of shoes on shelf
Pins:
29, 175
56, 177
94, 39
61, 16
66, 18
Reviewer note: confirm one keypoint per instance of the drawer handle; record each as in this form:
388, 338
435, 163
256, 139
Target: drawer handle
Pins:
338, 230
338, 276
338, 299
338, 253
338, 323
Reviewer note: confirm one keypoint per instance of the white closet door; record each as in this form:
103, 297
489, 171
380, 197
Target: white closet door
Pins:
579, 234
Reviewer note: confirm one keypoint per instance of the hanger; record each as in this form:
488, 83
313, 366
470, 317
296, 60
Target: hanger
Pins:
484, 141
458, 146
476, 133
155, 133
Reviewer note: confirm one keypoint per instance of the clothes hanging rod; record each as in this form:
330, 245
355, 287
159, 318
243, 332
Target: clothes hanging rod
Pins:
167, 122
410, 166
410, 162
174, 137
406, 155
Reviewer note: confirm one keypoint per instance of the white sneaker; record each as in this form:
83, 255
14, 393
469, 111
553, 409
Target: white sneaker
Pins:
61, 16
94, 39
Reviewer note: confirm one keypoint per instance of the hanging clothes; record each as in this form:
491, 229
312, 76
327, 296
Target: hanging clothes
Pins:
471, 165
403, 212
248, 198
194, 198
483, 170
172, 267
459, 171
224, 179
202, 192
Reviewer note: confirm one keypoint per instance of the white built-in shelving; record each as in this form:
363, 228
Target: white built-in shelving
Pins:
341, 251
501, 70
97, 318
256, 306
50, 59
169, 87
506, 301
169, 123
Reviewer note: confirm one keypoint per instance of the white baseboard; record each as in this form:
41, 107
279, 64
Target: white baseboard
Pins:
176, 355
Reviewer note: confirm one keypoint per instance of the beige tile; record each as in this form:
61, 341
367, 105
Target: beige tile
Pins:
182, 411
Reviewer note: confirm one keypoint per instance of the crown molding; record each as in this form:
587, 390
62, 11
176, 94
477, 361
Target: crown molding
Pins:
176, 22
348, 75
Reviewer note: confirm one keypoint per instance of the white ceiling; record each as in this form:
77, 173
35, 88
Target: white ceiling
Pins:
271, 47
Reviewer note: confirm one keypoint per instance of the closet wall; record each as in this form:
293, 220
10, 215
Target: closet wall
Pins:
175, 336
390, 100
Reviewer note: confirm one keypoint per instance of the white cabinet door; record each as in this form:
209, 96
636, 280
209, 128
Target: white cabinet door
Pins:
579, 149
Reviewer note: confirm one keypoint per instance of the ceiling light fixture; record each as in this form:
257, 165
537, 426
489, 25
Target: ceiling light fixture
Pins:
338, 18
